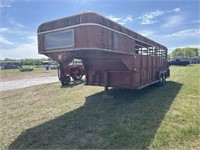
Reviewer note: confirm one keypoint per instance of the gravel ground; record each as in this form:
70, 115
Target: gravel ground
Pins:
22, 83
27, 75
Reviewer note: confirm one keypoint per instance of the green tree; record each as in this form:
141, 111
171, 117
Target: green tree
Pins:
185, 52
32, 61
168, 56
8, 59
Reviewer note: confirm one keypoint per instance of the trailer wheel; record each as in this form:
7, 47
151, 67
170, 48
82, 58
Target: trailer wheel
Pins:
161, 80
77, 76
66, 80
164, 79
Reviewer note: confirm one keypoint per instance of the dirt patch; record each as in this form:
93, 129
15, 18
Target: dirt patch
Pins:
27, 75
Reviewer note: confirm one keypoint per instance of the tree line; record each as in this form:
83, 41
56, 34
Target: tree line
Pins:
26, 61
186, 52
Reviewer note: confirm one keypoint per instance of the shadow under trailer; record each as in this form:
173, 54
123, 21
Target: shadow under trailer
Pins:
112, 55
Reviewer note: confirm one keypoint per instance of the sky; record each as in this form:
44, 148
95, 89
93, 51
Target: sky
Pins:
172, 23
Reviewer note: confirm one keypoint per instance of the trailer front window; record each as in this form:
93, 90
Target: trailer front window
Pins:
59, 39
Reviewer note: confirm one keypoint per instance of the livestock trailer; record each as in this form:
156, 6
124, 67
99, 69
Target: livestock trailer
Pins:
112, 55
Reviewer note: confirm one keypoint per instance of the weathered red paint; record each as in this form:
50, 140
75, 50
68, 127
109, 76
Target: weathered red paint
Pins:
113, 56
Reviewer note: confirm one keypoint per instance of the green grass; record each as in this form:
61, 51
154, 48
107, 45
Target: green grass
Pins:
52, 117
16, 71
180, 128
10, 71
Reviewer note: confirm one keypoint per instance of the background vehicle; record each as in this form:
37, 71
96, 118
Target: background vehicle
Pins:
10, 65
179, 61
25, 69
75, 69
53, 66
112, 55
195, 60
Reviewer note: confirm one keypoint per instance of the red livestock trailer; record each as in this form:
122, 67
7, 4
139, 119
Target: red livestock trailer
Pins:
112, 55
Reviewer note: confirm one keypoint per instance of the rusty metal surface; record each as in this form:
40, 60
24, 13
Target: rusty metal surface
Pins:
59, 23
91, 17
112, 55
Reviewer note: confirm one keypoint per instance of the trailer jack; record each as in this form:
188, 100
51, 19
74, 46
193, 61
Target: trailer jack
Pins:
106, 95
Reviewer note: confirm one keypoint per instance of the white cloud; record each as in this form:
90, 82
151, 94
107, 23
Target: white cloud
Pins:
113, 18
146, 32
12, 21
128, 19
148, 17
18, 43
23, 50
179, 35
119, 20
6, 3
178, 9
188, 37
14, 31
4, 6
4, 41
184, 34
195, 21
3, 29
173, 21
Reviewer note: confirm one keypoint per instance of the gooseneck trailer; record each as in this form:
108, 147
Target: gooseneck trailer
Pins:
112, 55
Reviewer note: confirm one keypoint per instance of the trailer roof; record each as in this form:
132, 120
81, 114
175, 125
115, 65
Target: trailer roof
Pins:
94, 18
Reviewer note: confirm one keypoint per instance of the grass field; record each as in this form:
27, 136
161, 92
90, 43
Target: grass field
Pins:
14, 71
54, 117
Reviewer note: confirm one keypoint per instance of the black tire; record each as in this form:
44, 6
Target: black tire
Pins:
77, 77
164, 79
161, 80
66, 81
